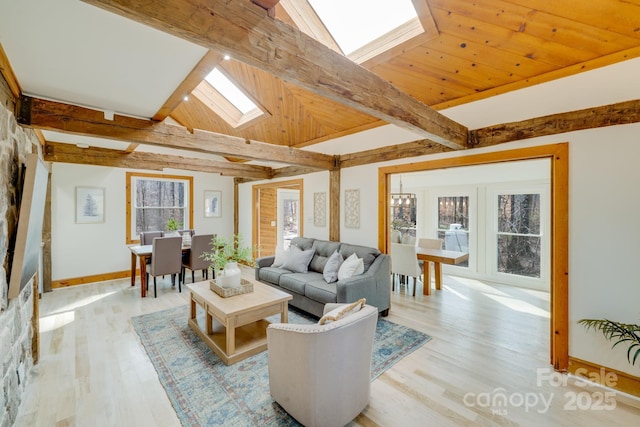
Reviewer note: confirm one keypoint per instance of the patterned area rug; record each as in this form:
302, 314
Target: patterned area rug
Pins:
206, 392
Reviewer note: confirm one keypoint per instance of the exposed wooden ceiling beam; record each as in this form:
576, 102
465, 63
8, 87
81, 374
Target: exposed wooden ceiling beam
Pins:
608, 115
208, 62
69, 153
49, 115
391, 152
266, 4
244, 31
589, 118
9, 75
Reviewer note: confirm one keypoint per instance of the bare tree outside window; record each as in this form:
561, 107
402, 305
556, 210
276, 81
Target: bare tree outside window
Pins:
454, 210
156, 201
519, 238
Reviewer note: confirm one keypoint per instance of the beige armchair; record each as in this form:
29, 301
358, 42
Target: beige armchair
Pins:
321, 374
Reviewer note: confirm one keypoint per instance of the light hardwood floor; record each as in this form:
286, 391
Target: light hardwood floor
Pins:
488, 341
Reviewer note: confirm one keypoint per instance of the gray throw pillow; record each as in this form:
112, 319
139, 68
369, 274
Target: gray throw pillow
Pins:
298, 261
330, 272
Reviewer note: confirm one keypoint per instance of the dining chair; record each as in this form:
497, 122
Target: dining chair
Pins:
186, 234
404, 264
200, 243
166, 257
146, 238
425, 243
408, 239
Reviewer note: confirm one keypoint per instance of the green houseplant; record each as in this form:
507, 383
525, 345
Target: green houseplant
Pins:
228, 250
224, 259
173, 225
620, 332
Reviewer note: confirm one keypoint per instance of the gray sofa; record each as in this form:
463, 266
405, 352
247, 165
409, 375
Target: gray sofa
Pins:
311, 292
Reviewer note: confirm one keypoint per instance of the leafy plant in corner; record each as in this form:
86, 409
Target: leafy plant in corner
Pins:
228, 250
621, 332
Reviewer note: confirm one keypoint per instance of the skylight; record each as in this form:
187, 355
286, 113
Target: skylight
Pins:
230, 91
227, 100
355, 23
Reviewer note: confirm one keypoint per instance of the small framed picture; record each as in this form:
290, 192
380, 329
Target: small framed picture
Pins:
89, 205
212, 203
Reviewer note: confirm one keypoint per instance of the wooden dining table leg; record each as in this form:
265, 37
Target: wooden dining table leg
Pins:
426, 278
134, 259
438, 271
143, 276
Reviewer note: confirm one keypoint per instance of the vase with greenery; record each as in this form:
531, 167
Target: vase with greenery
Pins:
620, 332
173, 225
225, 256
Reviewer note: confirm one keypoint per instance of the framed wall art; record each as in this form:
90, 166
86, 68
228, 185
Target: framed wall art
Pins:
212, 203
320, 209
89, 205
352, 208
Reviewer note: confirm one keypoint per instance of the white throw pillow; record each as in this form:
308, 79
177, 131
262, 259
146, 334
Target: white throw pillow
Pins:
351, 266
342, 311
330, 272
281, 256
298, 260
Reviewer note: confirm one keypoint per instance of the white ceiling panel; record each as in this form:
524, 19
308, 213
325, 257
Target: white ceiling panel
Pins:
82, 60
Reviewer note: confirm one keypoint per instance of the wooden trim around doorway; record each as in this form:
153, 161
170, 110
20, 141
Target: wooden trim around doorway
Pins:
558, 154
255, 203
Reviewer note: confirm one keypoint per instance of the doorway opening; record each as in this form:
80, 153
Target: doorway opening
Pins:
558, 155
277, 215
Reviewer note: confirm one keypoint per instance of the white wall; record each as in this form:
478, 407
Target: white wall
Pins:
79, 250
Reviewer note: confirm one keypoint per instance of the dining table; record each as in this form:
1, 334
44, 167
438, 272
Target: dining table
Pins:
142, 252
437, 257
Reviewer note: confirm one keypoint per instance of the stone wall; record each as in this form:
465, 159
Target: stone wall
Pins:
16, 331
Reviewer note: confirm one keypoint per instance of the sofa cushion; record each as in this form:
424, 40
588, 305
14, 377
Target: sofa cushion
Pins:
317, 263
296, 282
271, 274
367, 254
330, 272
303, 243
323, 250
297, 260
351, 266
321, 291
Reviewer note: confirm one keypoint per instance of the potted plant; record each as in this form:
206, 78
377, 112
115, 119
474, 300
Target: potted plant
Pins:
622, 332
173, 225
224, 259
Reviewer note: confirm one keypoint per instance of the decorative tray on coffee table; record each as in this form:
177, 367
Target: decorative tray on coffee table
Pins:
244, 288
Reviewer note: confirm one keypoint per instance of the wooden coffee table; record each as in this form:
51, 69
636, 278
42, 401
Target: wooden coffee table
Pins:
235, 327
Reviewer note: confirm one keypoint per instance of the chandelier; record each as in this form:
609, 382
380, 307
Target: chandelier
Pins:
402, 198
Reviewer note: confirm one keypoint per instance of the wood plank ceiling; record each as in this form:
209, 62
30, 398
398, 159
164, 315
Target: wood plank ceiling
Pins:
458, 51
481, 48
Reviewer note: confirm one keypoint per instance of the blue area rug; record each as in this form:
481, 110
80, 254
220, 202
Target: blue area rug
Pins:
206, 392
